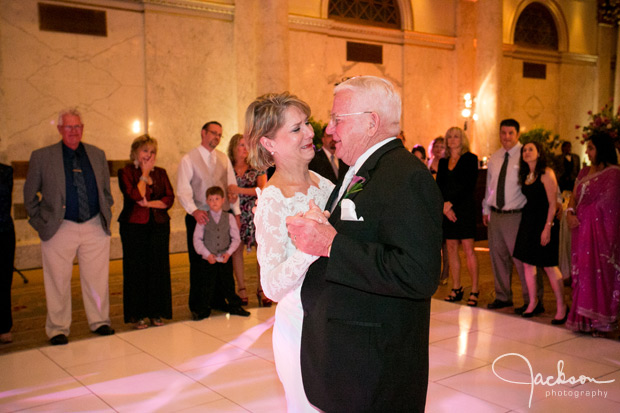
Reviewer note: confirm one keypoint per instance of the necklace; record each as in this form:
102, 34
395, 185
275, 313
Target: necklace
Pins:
531, 177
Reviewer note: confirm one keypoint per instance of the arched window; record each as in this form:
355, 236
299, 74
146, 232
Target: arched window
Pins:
536, 28
383, 13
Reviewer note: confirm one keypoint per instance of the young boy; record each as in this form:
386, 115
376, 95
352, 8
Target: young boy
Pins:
215, 242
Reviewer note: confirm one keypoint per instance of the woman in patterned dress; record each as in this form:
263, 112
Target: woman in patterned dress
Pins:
248, 180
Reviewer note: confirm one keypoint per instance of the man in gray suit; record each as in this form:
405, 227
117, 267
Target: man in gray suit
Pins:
68, 199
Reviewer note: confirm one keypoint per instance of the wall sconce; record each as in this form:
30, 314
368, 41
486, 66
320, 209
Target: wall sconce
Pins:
136, 127
468, 111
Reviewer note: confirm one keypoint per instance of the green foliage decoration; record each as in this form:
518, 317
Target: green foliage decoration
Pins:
547, 139
318, 126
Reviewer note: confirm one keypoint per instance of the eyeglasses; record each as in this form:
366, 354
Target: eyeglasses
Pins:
334, 116
70, 128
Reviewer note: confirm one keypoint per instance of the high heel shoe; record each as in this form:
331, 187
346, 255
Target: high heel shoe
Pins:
141, 325
563, 320
538, 309
262, 300
473, 299
458, 295
244, 300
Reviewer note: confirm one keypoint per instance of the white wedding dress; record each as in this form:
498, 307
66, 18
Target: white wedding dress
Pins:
283, 269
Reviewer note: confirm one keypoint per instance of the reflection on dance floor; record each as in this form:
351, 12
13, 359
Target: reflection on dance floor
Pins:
480, 361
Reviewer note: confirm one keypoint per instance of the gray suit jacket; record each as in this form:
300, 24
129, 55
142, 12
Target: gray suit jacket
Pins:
46, 176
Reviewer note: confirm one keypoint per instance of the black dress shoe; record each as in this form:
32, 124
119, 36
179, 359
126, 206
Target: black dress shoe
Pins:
520, 310
201, 316
104, 330
563, 320
59, 340
539, 309
499, 304
238, 311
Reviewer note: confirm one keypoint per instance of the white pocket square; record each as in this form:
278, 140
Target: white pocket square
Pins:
347, 211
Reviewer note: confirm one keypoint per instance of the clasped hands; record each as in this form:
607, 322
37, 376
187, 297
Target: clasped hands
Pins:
212, 259
310, 231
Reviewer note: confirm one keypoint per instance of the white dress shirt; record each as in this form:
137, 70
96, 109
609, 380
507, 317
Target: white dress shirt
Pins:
199, 234
358, 164
185, 193
514, 198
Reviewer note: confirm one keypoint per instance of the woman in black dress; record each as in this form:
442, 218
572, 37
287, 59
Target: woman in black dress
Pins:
436, 151
145, 234
456, 177
538, 236
7, 254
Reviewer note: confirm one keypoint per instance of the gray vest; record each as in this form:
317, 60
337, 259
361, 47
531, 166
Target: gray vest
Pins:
217, 236
203, 178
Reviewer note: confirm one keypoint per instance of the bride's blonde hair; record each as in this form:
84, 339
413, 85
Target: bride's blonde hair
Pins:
264, 117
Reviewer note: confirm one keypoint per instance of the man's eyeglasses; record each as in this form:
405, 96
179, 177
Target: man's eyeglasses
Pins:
334, 116
70, 128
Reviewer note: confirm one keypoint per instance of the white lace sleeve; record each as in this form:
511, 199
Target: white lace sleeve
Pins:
282, 266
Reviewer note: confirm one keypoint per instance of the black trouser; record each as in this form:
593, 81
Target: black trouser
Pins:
146, 271
210, 285
7, 257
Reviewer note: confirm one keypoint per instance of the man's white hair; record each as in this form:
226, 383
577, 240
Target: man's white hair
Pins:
380, 97
70, 112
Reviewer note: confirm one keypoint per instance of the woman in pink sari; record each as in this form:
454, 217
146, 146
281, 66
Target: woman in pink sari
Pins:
593, 214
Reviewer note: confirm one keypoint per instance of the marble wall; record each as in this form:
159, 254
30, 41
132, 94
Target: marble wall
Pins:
191, 79
169, 66
43, 72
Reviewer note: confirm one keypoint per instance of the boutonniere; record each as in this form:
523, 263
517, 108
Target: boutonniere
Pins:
356, 185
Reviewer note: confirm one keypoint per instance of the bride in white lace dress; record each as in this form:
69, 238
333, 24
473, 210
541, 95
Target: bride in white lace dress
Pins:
277, 131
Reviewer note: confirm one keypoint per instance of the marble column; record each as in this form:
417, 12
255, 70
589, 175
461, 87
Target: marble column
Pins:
272, 53
488, 70
245, 55
466, 57
261, 49
616, 92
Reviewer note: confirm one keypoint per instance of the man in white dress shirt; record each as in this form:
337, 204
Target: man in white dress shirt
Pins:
200, 169
501, 212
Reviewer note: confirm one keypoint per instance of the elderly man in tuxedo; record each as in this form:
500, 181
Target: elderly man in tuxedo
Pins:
68, 199
325, 161
367, 298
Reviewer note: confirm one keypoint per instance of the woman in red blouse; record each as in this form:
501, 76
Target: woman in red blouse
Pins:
145, 234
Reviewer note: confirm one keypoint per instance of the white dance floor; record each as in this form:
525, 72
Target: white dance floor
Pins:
225, 364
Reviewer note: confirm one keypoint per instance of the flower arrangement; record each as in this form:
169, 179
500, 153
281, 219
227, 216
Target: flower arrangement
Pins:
605, 121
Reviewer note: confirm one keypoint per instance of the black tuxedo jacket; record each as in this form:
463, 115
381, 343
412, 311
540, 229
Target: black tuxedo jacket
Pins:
322, 166
367, 307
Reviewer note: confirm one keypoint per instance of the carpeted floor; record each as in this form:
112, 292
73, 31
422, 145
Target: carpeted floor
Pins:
28, 300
